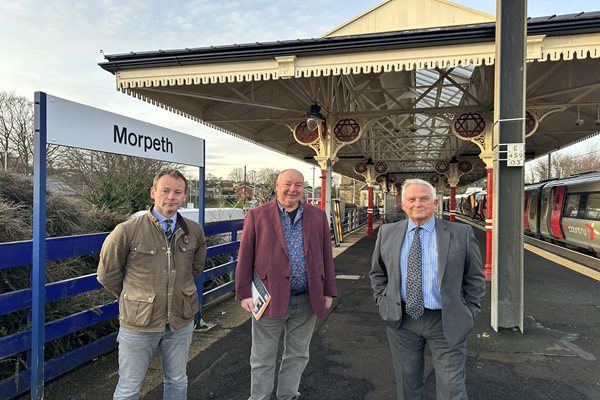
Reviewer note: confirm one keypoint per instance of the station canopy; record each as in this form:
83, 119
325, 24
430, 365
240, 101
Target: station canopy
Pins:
403, 70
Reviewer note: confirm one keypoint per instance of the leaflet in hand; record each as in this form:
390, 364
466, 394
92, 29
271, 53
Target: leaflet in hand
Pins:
260, 297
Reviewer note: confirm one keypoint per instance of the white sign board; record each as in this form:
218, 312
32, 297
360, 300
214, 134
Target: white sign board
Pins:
516, 155
76, 125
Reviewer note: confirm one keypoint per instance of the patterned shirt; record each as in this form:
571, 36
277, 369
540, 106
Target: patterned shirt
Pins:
432, 298
294, 238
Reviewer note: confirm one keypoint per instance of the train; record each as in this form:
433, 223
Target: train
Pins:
564, 211
472, 203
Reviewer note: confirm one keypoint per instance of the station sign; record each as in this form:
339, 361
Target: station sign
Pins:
76, 125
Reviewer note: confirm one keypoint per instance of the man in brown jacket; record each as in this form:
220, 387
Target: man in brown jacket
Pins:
150, 264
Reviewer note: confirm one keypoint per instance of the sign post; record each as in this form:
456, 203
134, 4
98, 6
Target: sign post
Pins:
66, 123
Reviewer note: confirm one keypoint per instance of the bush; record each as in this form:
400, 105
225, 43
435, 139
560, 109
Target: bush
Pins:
66, 215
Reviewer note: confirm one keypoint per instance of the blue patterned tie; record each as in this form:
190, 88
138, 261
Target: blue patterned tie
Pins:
169, 231
414, 280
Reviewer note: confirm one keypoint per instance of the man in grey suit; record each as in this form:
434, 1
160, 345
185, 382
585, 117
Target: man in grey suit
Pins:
427, 278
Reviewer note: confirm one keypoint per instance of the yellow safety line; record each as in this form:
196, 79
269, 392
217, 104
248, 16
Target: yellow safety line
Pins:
589, 272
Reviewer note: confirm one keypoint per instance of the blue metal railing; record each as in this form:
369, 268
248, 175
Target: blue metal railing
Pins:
18, 254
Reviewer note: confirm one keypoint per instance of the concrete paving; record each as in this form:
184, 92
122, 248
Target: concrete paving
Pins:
555, 358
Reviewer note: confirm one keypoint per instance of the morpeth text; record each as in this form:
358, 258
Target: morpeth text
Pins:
142, 141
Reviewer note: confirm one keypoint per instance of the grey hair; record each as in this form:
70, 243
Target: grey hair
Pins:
415, 181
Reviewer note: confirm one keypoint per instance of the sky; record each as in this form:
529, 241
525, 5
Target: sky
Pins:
55, 46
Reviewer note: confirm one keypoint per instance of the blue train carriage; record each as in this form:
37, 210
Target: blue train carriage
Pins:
569, 211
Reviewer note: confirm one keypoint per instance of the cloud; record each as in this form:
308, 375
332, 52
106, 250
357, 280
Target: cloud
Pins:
54, 46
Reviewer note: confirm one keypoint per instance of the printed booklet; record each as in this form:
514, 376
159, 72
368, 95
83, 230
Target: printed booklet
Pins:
260, 297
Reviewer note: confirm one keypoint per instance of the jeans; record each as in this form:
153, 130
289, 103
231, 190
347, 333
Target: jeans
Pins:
135, 352
297, 326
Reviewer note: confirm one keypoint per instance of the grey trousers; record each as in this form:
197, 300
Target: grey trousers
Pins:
297, 325
407, 345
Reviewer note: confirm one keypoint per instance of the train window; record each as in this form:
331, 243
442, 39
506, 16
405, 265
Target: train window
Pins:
545, 202
593, 206
556, 203
533, 205
572, 205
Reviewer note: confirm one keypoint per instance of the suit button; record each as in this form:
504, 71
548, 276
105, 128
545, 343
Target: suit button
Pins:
287, 277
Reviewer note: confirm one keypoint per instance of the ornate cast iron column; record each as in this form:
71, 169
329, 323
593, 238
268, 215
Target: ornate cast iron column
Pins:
326, 139
370, 171
453, 170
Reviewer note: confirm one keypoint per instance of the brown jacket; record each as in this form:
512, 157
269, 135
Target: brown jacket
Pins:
153, 286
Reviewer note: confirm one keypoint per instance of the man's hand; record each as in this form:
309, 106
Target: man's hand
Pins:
328, 301
247, 304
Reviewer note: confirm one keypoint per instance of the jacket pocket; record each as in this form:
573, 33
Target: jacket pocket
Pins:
136, 308
191, 305
187, 245
142, 253
187, 249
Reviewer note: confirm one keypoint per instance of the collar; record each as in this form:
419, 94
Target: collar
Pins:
161, 218
429, 226
281, 209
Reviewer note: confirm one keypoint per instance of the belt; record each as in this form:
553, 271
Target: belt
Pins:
299, 293
425, 308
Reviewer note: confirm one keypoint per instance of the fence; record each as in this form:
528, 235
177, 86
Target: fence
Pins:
18, 254
354, 218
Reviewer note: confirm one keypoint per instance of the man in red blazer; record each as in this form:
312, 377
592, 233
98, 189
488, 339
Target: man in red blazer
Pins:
288, 245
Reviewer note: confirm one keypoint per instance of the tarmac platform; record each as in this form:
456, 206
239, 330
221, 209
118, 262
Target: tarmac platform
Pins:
557, 356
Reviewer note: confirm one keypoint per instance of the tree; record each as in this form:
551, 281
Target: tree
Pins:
212, 179
111, 181
16, 133
237, 174
267, 177
564, 164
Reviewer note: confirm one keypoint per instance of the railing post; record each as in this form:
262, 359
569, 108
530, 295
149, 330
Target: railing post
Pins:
38, 271
232, 255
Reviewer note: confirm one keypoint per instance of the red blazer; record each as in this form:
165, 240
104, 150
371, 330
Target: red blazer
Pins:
263, 249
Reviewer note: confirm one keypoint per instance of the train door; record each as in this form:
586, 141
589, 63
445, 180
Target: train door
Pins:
545, 209
534, 207
557, 207
526, 211
483, 206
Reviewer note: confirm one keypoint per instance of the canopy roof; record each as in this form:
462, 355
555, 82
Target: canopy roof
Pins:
402, 85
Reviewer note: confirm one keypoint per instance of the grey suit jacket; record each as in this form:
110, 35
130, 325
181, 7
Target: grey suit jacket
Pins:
460, 276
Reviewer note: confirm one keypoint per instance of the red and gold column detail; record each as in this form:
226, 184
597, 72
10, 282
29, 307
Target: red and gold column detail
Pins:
326, 145
370, 171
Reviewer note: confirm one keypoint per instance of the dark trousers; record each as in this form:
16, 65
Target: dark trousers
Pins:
407, 345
